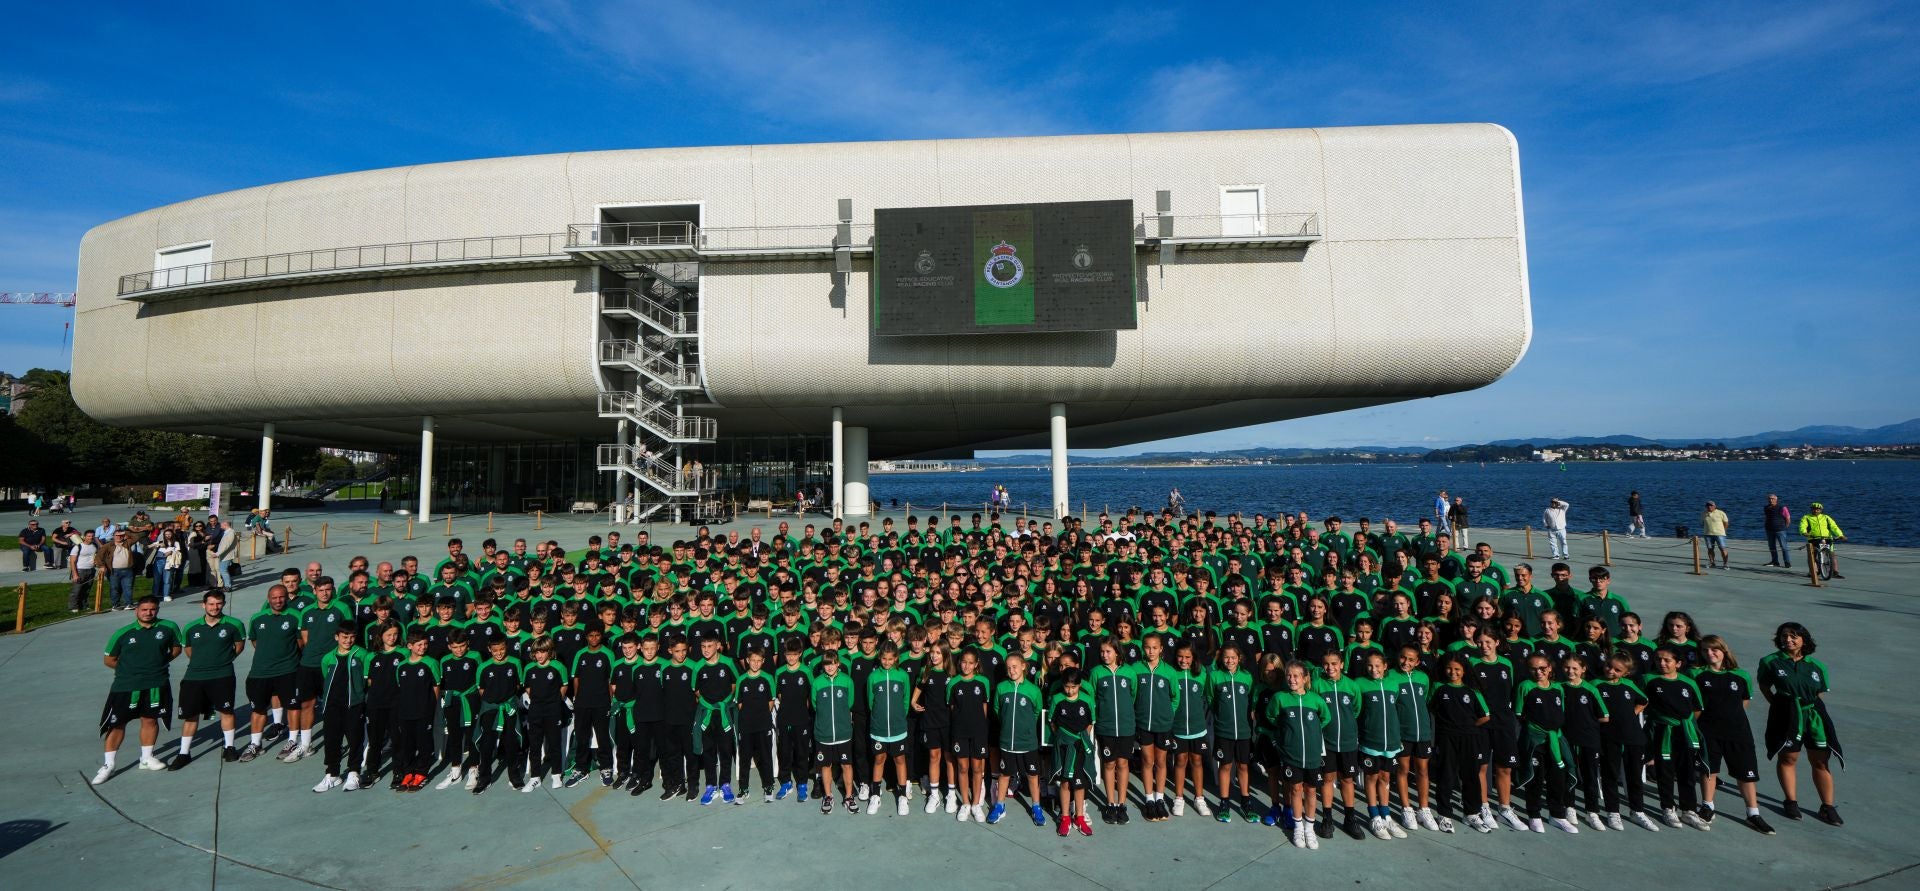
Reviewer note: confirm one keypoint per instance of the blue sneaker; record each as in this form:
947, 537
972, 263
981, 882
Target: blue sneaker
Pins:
707, 796
726, 793
785, 790
1039, 816
999, 810
803, 791
1271, 817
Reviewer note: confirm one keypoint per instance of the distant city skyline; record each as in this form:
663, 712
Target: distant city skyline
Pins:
1721, 208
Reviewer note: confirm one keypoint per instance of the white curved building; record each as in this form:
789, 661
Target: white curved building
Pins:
554, 316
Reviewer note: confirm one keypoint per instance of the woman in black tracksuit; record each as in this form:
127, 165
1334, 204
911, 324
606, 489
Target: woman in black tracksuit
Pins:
1460, 715
1623, 743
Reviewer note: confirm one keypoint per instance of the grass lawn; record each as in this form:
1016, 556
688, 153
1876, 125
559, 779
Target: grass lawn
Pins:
359, 491
47, 601
9, 543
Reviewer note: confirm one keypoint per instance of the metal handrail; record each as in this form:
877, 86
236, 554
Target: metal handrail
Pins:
372, 256
669, 478
1254, 225
660, 234
640, 304
658, 420
627, 352
766, 238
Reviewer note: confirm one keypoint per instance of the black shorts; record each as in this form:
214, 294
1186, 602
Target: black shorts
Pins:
307, 683
969, 747
936, 739
1013, 764
1308, 775
1503, 743
897, 749
1232, 751
261, 691
1342, 765
1113, 748
830, 754
1416, 748
1743, 764
201, 699
1377, 763
125, 708
1195, 746
1149, 739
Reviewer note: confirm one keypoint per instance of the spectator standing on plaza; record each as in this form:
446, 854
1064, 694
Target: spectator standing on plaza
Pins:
1713, 530
225, 550
1777, 520
33, 544
1440, 507
1554, 520
1457, 518
1636, 518
80, 570
116, 559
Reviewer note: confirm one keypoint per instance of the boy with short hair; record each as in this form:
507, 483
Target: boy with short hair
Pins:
342, 704
459, 698
831, 695
417, 684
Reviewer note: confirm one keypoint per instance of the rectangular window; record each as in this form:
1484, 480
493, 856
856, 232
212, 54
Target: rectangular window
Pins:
1241, 209
182, 264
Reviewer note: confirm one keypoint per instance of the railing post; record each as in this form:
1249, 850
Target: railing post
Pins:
376, 531
20, 615
1606, 549
1529, 542
99, 587
539, 516
409, 529
489, 520
1813, 565
1696, 556
323, 536
253, 548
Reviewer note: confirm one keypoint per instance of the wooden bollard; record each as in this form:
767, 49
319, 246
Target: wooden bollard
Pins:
287, 543
253, 547
489, 521
376, 531
1696, 556
539, 518
20, 615
1813, 566
449, 525
1529, 542
409, 529
99, 588
323, 536
1606, 549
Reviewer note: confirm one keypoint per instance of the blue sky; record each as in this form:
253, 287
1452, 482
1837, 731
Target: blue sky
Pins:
1721, 198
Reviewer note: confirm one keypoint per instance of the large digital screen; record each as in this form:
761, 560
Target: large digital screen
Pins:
1003, 268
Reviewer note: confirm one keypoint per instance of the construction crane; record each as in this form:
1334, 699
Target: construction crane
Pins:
37, 298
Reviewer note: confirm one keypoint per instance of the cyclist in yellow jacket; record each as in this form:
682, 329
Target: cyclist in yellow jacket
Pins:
1817, 526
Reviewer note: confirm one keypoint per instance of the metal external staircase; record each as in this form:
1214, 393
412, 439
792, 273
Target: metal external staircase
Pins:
652, 357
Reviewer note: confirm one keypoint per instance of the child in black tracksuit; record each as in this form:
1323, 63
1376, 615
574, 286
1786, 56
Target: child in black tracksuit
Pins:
1460, 716
675, 743
755, 730
382, 692
591, 673
502, 681
546, 715
793, 693
636, 711
1623, 743
417, 697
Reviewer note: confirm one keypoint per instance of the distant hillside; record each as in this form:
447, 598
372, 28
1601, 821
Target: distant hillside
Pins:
1903, 433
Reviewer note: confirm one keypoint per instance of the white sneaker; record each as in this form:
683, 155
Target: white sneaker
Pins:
1301, 833
1313, 840
1379, 827
1594, 821
933, 804
1409, 817
953, 801
865, 791
1565, 825
1200, 805
900, 802
453, 775
979, 813
873, 805
1688, 818
1480, 823
1537, 824
1670, 817
1513, 819
1643, 821
287, 752
966, 813
1614, 823
1179, 805
1394, 829
100, 776
1429, 822
152, 763
532, 785
553, 781
326, 783
473, 778
1443, 825
353, 781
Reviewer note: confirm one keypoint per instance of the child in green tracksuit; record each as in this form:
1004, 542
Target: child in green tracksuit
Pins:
1231, 690
1297, 717
888, 689
1156, 697
1379, 723
1343, 743
833, 730
1017, 703
1190, 719
1070, 717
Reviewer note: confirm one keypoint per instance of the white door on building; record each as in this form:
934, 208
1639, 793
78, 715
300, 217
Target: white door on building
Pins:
1240, 212
183, 265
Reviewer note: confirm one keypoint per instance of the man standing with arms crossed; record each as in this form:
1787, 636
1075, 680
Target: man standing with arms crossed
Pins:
138, 653
1554, 518
208, 685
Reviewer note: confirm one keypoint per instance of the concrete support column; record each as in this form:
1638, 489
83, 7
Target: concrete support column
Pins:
858, 499
1057, 419
426, 468
622, 483
265, 489
839, 458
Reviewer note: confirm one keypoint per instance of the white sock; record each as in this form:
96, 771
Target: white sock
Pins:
186, 745
306, 738
228, 736
256, 740
108, 758
146, 753
279, 715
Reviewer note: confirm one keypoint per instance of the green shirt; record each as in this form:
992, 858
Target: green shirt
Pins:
1156, 696
1017, 704
1299, 722
210, 652
1232, 695
276, 644
887, 692
319, 623
1343, 712
1780, 675
832, 708
143, 653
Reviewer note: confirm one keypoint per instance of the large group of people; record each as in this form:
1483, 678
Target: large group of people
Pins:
1274, 670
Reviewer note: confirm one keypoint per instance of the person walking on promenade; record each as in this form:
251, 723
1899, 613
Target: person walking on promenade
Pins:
1777, 519
1636, 518
1713, 532
1440, 508
1554, 519
1457, 518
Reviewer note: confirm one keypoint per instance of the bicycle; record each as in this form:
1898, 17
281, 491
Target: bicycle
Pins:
1823, 558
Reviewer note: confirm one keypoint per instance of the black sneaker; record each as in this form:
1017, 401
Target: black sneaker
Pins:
826, 804
572, 778
229, 754
1106, 814
669, 792
1790, 809
395, 785
1323, 827
1120, 815
274, 733
692, 796
607, 778
1829, 814
1354, 827
1759, 825
181, 760
1706, 813
481, 786
853, 805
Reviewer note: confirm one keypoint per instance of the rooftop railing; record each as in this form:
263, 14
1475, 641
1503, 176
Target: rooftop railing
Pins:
372, 256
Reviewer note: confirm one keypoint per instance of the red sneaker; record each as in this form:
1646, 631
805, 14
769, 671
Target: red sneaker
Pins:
1064, 823
1080, 823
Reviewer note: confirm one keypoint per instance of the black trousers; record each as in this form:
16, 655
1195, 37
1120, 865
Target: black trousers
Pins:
1676, 776
756, 747
673, 746
590, 726
796, 753
502, 743
545, 733
633, 749
1620, 767
380, 731
344, 733
413, 745
1586, 760
1456, 764
716, 753
458, 745
862, 750
1549, 785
